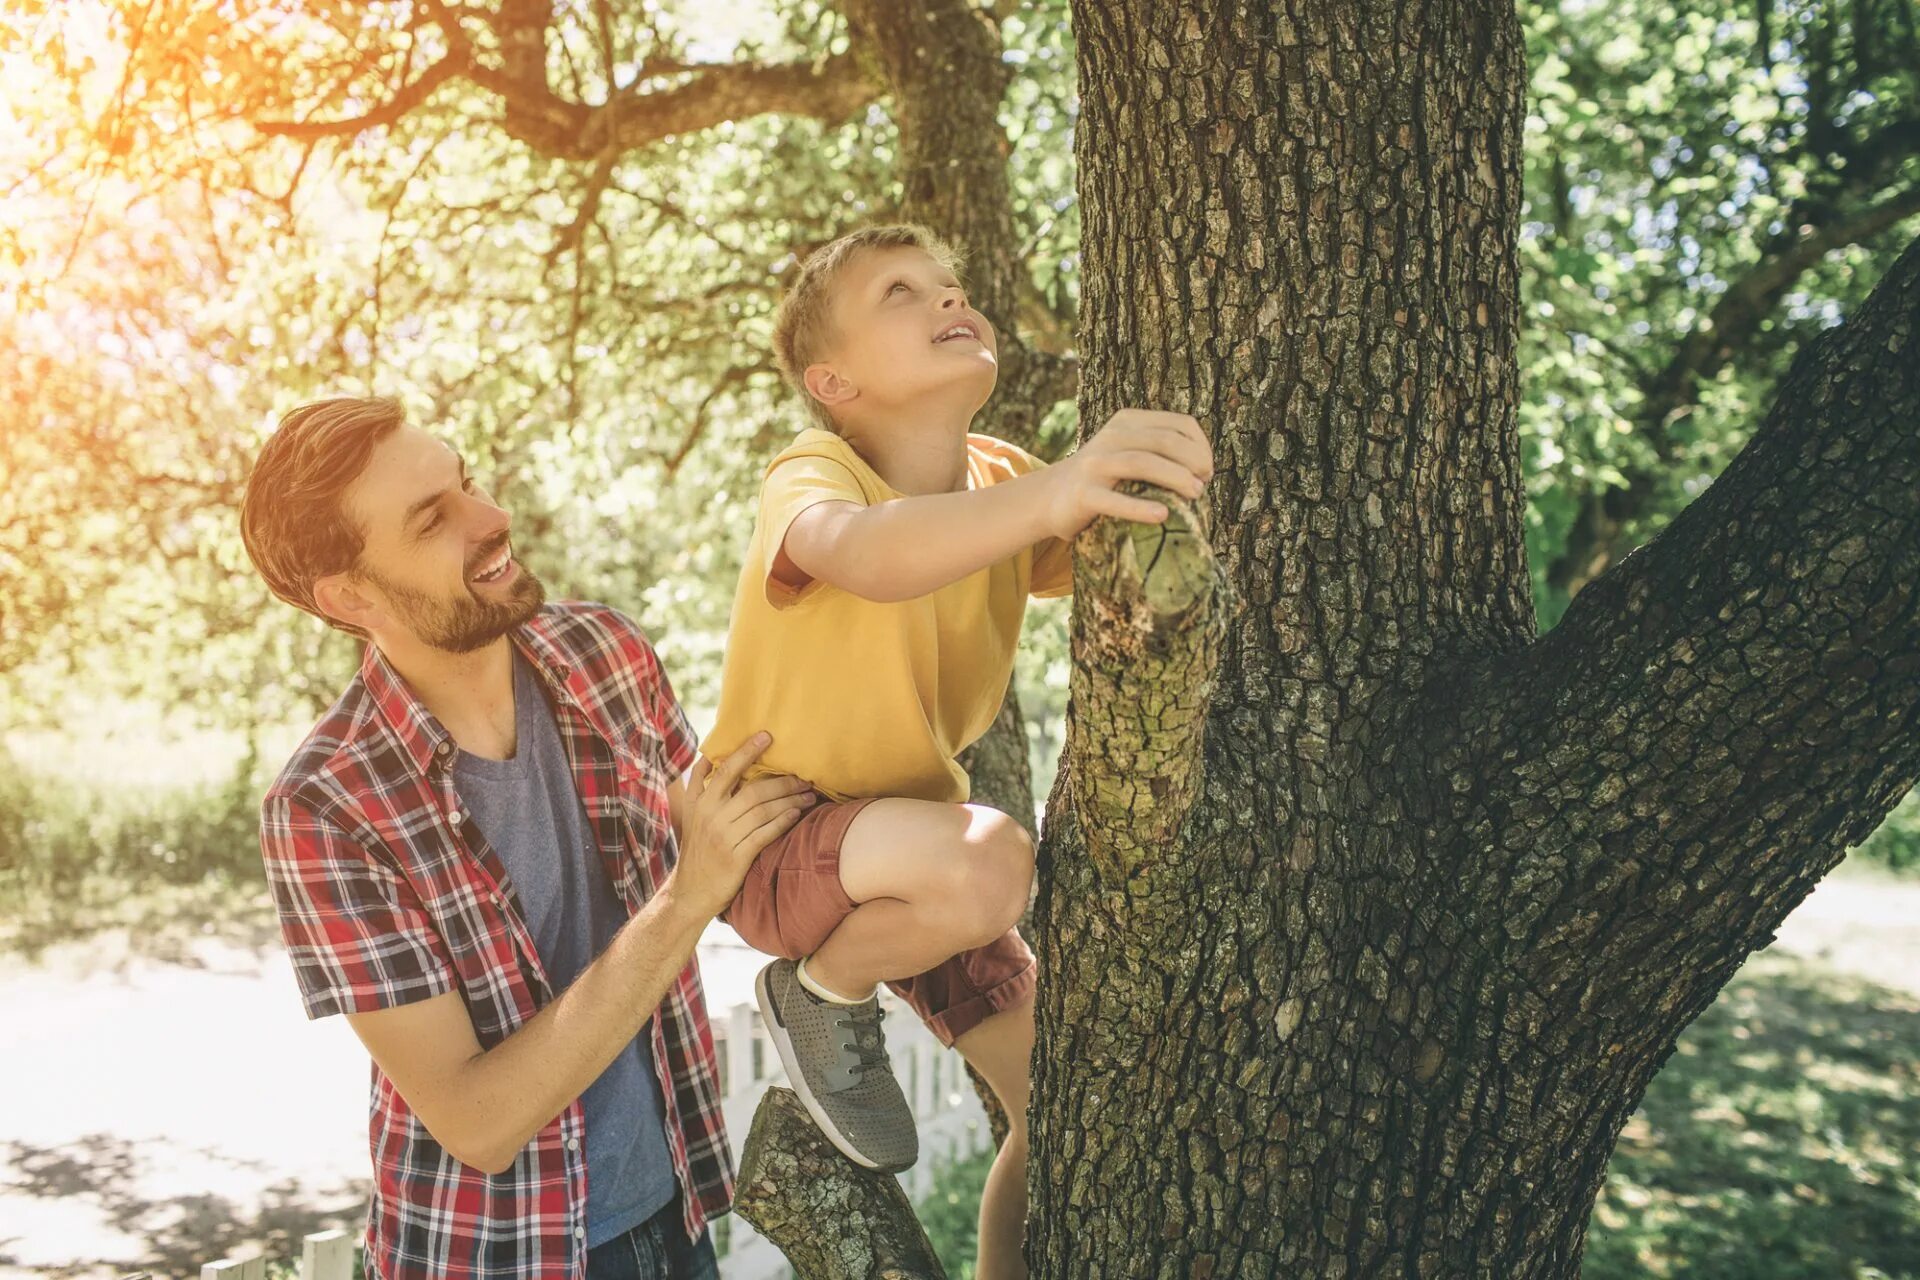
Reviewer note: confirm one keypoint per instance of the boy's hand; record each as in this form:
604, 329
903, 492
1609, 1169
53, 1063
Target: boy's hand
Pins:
1164, 449
727, 824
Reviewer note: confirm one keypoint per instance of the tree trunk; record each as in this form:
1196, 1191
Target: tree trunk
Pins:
1365, 916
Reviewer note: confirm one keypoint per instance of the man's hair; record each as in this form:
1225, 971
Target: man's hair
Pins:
292, 520
803, 322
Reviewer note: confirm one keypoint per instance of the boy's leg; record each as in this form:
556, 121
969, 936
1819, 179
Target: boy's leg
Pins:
871, 890
1001, 1049
929, 881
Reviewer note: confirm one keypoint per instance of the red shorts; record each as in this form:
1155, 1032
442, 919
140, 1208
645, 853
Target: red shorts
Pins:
792, 899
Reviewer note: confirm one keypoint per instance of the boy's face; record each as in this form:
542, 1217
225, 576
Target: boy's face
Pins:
437, 562
903, 332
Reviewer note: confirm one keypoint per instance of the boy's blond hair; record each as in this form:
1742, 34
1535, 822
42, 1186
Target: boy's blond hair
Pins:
803, 322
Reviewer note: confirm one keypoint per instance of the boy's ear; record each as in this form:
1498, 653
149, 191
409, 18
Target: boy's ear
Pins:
827, 386
342, 599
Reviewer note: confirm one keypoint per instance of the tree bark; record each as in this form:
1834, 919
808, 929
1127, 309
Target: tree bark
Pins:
1422, 901
833, 1220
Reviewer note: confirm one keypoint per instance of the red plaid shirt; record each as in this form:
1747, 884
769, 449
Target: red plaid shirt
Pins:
386, 896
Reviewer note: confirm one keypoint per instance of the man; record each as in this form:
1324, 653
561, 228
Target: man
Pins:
485, 857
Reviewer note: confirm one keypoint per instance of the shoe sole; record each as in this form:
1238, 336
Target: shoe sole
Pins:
797, 1081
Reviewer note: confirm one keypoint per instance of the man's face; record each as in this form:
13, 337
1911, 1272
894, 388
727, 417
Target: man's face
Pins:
903, 331
437, 559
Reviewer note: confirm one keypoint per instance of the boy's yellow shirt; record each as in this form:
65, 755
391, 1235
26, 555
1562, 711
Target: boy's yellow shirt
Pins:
863, 698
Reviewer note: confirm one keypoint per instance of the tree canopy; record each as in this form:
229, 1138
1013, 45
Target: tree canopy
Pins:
557, 229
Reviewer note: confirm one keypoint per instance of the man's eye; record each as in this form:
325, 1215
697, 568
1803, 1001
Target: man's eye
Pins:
469, 484
433, 522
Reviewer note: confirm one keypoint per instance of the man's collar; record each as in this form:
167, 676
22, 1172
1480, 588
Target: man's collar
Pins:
419, 731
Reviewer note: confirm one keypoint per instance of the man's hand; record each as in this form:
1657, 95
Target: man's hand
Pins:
726, 825
1164, 449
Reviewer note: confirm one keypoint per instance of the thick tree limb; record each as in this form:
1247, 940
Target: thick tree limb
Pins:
672, 99
833, 1220
1717, 719
1148, 619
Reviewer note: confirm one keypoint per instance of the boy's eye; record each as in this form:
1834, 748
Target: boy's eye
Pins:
897, 284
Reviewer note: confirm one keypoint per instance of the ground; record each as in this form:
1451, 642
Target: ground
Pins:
168, 1103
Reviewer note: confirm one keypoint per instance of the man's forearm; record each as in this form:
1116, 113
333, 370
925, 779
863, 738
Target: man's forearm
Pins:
908, 547
512, 1091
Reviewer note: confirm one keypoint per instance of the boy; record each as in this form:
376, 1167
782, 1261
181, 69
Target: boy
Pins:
873, 635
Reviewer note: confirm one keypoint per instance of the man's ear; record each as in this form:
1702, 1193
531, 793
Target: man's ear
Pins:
826, 385
344, 600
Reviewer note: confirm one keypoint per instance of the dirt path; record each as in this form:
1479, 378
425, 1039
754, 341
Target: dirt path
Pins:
161, 1112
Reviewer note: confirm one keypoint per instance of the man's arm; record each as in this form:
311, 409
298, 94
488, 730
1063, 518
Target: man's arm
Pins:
484, 1106
907, 547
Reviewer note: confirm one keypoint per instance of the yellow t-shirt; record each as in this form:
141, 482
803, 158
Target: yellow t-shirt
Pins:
864, 698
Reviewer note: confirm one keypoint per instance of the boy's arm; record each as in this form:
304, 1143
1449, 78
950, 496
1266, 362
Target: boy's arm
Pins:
908, 547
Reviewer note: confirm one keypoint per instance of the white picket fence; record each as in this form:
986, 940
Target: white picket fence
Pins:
952, 1127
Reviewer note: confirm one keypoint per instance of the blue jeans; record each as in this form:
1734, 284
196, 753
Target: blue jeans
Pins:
657, 1249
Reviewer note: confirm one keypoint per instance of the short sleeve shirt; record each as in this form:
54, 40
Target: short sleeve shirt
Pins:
865, 698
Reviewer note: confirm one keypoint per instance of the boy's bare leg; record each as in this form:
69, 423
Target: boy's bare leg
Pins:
931, 880
1001, 1049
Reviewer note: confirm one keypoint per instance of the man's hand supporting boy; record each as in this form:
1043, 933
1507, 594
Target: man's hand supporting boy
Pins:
484, 1106
908, 547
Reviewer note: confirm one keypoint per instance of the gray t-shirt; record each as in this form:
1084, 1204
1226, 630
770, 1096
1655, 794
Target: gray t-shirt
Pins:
530, 812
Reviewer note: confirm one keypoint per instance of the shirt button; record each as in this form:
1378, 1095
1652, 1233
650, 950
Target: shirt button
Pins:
443, 749
579, 1233
573, 1144
456, 818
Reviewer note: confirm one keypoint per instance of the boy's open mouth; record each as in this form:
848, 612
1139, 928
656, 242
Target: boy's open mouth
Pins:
964, 329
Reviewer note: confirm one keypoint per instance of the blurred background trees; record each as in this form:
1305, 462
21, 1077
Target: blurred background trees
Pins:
557, 228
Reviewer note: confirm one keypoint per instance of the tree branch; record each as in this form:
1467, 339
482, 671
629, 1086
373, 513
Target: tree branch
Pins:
1661, 778
405, 100
833, 1220
829, 89
1149, 614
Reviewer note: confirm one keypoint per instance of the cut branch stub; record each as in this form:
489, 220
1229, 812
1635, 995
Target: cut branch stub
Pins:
1149, 611
833, 1219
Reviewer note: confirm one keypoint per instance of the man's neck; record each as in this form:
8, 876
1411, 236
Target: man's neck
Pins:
918, 452
470, 694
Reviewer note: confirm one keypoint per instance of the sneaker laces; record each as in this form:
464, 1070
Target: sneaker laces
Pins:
869, 1046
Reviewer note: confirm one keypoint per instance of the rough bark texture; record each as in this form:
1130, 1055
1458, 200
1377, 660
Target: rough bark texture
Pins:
833, 1220
1446, 893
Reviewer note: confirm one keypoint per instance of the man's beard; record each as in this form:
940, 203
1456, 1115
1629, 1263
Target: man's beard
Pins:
464, 622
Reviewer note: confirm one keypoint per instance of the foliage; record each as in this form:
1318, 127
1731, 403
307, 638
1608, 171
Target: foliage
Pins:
1681, 157
1896, 845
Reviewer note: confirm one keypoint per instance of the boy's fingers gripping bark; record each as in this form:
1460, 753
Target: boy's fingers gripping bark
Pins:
1156, 468
1123, 506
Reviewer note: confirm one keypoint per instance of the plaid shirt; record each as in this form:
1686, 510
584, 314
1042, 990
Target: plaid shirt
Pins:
387, 895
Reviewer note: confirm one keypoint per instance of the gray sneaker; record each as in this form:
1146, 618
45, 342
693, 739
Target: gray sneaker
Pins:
836, 1060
